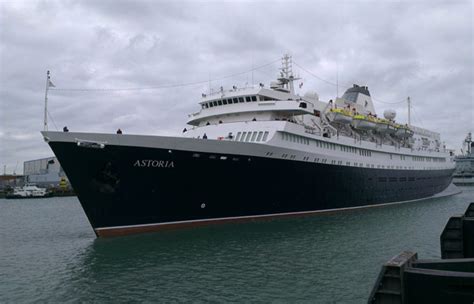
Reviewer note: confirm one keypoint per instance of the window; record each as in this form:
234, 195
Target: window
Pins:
238, 136
265, 135
224, 101
254, 135
229, 101
260, 134
247, 99
214, 103
211, 105
247, 138
254, 98
236, 100
241, 99
243, 136
219, 102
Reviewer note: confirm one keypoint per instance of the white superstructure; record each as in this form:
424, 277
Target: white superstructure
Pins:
345, 131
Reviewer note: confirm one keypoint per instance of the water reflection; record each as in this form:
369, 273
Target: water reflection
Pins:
51, 255
329, 257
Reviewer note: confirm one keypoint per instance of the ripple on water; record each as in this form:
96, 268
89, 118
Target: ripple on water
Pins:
49, 254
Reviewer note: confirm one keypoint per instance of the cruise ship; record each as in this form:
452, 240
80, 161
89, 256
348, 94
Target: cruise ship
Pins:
253, 152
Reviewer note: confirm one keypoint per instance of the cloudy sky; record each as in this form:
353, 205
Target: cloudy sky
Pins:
422, 49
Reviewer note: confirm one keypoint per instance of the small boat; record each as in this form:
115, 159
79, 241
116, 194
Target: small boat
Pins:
28, 191
363, 122
342, 116
385, 127
403, 132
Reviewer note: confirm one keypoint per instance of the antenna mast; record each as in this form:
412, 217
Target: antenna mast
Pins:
409, 111
46, 102
287, 73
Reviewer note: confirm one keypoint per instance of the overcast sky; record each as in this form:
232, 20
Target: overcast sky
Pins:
422, 49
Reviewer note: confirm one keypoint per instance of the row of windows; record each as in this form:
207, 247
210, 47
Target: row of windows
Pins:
348, 149
221, 102
403, 179
356, 164
335, 162
325, 145
256, 136
429, 159
322, 144
222, 157
295, 138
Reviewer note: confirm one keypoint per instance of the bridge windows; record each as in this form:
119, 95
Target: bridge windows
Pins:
228, 101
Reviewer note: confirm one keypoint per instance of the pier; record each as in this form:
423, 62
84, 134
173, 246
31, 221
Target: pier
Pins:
407, 279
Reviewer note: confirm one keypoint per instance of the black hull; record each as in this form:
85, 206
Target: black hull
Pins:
118, 189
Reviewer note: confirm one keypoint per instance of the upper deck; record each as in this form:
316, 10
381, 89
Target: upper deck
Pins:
250, 103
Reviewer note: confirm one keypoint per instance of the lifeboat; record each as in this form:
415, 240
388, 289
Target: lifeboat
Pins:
403, 131
363, 122
342, 116
385, 126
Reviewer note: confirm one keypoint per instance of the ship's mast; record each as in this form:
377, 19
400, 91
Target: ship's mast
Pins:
409, 111
287, 77
45, 123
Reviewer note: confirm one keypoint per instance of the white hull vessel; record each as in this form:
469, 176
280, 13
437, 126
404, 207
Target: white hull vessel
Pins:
28, 191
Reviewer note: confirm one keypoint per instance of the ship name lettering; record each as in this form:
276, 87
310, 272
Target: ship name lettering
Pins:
153, 163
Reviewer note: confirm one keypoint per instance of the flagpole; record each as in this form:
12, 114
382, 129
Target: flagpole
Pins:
46, 103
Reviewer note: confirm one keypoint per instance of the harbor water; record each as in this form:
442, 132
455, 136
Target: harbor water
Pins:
49, 253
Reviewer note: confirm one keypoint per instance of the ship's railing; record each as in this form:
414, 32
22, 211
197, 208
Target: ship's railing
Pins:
235, 89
